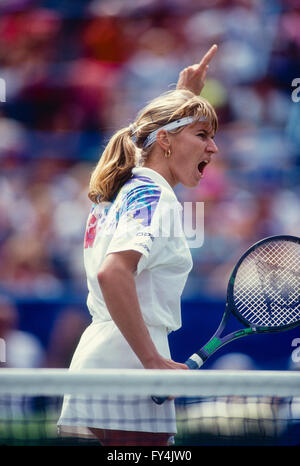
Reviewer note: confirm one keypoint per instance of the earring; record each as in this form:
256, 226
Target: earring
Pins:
168, 154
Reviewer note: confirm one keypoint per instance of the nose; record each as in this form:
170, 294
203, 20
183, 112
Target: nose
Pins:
212, 146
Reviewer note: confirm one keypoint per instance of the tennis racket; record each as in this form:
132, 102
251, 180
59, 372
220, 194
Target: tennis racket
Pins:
263, 293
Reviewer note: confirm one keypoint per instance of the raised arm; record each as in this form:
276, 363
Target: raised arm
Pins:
193, 77
116, 280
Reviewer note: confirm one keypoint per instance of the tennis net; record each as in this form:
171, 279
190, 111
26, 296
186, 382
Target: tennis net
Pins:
212, 407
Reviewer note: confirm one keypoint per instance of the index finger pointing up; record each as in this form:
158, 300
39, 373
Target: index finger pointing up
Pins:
208, 56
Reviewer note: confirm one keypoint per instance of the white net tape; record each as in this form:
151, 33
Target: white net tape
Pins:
149, 382
219, 407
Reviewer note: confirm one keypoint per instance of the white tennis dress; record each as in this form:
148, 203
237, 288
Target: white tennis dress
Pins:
145, 217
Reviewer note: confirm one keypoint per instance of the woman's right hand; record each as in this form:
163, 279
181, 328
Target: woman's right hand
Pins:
193, 77
164, 363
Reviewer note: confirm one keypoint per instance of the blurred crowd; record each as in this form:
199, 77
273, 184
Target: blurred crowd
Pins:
76, 71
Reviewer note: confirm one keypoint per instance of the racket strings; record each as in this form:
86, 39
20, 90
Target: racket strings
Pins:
267, 285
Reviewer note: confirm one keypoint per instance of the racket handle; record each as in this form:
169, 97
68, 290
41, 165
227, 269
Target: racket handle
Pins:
194, 362
159, 400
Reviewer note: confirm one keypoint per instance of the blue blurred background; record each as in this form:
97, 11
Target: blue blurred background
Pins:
76, 71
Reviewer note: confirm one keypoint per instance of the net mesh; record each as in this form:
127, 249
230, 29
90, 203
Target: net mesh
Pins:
267, 285
212, 407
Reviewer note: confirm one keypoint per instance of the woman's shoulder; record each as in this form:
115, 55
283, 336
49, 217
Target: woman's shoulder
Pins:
146, 191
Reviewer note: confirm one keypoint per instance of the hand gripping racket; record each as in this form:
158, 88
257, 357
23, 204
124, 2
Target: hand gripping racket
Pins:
263, 293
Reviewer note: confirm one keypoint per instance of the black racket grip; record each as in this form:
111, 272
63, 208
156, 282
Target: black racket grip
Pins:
159, 400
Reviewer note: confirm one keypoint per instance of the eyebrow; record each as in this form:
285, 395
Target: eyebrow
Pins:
210, 133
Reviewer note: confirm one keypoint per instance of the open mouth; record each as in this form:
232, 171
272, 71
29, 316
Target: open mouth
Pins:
202, 165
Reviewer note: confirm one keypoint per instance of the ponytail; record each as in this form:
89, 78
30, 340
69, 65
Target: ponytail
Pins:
114, 167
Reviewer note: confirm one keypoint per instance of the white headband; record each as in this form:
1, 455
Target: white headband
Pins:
173, 125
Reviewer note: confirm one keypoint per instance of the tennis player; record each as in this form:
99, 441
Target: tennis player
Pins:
137, 259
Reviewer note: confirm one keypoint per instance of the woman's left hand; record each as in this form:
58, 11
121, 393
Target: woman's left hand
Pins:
193, 77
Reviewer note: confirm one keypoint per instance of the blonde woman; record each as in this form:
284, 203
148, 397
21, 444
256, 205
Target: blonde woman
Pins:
136, 262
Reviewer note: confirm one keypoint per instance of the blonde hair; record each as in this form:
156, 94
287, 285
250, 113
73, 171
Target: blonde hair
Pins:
121, 156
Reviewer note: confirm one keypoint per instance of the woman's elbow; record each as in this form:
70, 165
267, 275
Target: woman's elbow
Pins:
117, 266
103, 276
108, 274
